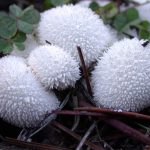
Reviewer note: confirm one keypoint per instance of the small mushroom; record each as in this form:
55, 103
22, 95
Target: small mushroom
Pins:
54, 67
70, 26
23, 101
121, 79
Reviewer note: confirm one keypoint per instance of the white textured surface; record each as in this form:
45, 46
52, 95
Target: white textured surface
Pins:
54, 67
30, 45
121, 80
23, 101
71, 26
144, 11
140, 1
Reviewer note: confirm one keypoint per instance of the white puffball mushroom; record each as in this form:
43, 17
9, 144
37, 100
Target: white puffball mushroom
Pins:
23, 100
70, 26
121, 79
30, 44
54, 67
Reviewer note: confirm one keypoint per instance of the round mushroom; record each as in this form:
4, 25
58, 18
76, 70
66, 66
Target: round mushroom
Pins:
23, 100
121, 79
70, 26
54, 67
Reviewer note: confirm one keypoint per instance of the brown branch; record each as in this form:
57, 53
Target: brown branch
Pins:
85, 72
81, 113
132, 115
31, 145
76, 136
128, 130
113, 122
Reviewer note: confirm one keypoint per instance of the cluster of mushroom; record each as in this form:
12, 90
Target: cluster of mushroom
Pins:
120, 79
27, 78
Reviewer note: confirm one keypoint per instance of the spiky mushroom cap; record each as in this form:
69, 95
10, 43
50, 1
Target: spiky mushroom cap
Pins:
30, 44
71, 26
54, 67
121, 79
23, 101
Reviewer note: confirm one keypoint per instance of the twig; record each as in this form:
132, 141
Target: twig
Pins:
85, 72
128, 130
86, 136
76, 118
123, 127
132, 115
76, 136
81, 113
48, 42
113, 122
32, 144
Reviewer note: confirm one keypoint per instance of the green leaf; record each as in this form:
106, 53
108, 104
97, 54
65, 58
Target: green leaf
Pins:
8, 27
30, 15
48, 4
144, 34
5, 46
144, 25
20, 46
24, 27
19, 37
3, 14
132, 14
125, 19
110, 10
59, 2
120, 21
94, 6
15, 10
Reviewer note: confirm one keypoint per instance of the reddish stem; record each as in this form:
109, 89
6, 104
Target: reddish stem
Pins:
115, 113
85, 72
33, 145
121, 126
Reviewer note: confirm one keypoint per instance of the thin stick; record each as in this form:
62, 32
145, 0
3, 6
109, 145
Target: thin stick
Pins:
121, 126
86, 136
128, 130
38, 146
76, 136
133, 115
81, 113
85, 72
48, 42
115, 123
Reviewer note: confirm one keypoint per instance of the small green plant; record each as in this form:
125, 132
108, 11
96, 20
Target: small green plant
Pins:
130, 19
122, 21
53, 3
125, 19
106, 12
15, 25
